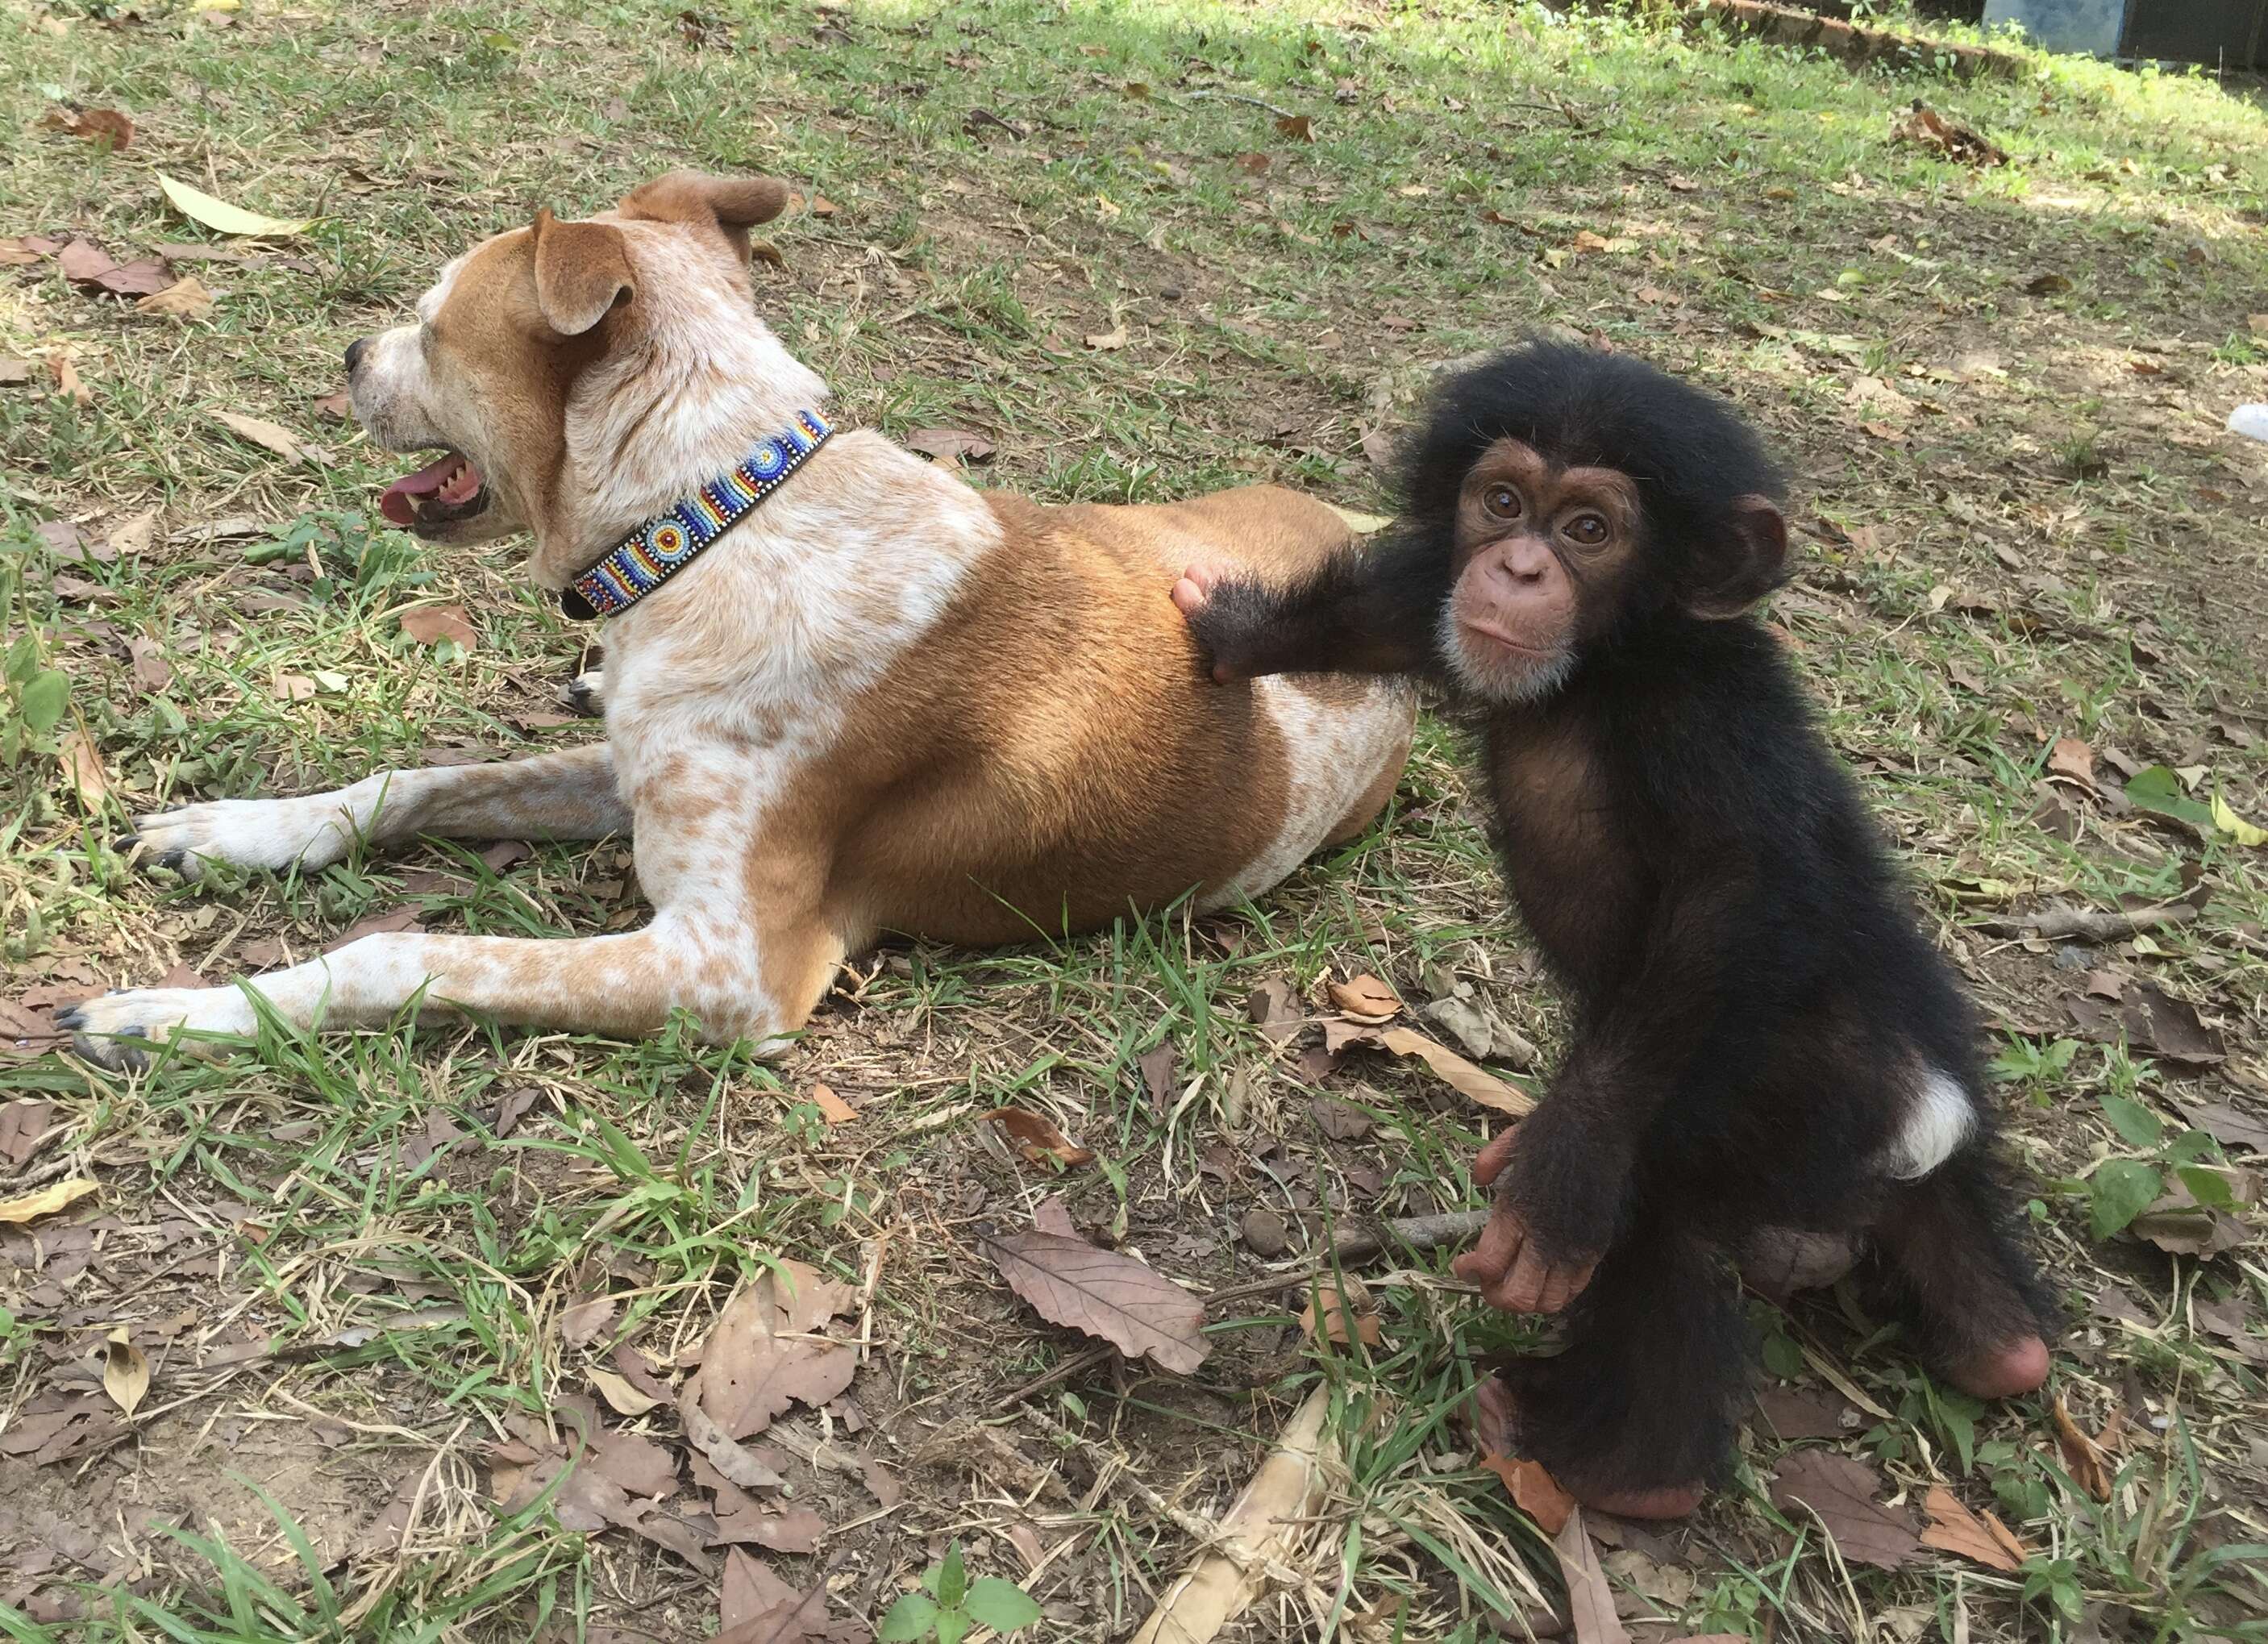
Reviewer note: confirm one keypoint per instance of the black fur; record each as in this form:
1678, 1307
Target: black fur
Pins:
1755, 1002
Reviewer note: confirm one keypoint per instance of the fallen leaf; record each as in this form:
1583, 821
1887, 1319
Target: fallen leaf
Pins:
374, 925
797, 1620
431, 625
2246, 834
1339, 1120
765, 1354
950, 445
1953, 1528
831, 1107
2048, 285
226, 218
54, 1197
1798, 1414
1841, 1490
1039, 1139
1276, 1008
584, 1318
1156, 1067
1340, 1296
1590, 1614
125, 1371
1468, 1079
793, 1530
68, 383
14, 373
749, 1589
1106, 1294
281, 441
23, 1126
1924, 126
1534, 1490
1050, 1215
82, 766
338, 406
620, 1396
2071, 757
95, 125
1298, 128
186, 299
144, 278
2231, 1126
83, 262
2082, 1457
132, 535
1105, 341
295, 688
822, 206
733, 1460
1365, 996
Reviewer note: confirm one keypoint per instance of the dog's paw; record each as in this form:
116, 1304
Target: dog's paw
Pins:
242, 833
118, 1029
586, 693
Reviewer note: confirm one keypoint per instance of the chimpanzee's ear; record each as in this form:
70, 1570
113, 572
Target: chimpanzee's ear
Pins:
1745, 562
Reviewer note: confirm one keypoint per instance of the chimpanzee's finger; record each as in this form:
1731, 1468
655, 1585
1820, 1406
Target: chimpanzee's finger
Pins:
1492, 1159
1499, 1242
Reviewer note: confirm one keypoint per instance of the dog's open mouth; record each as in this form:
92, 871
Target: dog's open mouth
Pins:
440, 493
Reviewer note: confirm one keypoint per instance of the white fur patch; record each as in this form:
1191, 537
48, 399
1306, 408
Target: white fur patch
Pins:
1333, 755
1939, 1121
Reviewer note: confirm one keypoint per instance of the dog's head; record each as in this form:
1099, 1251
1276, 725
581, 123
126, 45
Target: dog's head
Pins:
578, 376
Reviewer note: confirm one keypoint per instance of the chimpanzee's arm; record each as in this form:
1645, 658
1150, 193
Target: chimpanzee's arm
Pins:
1573, 1157
1358, 613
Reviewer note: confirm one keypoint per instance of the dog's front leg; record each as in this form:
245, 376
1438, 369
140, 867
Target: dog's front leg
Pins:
740, 938
565, 795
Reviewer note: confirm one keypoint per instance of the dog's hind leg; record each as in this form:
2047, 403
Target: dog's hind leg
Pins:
565, 795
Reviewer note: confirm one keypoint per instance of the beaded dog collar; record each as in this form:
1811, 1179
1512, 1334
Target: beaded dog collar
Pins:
669, 542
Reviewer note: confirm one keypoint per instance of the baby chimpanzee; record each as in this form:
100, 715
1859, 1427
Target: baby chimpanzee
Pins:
1768, 1058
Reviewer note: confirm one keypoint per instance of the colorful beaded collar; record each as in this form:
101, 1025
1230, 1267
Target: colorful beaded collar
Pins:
669, 542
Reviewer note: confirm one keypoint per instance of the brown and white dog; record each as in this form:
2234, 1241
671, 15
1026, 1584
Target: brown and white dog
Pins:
883, 701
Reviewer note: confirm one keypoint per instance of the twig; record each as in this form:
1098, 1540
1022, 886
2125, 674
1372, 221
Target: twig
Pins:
2093, 924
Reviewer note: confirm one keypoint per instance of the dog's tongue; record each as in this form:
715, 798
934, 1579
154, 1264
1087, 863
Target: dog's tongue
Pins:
452, 478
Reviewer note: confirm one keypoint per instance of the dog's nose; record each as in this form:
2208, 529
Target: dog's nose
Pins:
354, 353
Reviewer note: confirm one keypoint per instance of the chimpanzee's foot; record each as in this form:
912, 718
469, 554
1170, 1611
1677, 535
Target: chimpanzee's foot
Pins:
2004, 1371
1777, 1263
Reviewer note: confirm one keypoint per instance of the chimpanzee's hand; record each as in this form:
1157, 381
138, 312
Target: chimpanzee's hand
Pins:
1527, 1261
1216, 605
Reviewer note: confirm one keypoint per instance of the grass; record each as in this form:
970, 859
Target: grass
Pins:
2020, 522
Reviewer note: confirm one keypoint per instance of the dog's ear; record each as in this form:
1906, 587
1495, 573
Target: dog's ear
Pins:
582, 272
734, 204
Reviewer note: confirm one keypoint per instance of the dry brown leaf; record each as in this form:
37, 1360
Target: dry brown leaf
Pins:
1841, 1490
431, 625
831, 1107
60, 366
791, 1530
620, 1396
2082, 1457
262, 433
1039, 1139
1050, 1215
125, 1371
584, 1318
14, 373
1365, 996
1107, 1294
1590, 1614
1157, 1066
734, 1461
23, 1126
374, 925
1340, 1295
132, 535
1468, 1079
1276, 1008
186, 299
765, 1354
54, 1197
1953, 1528
1298, 128
1106, 342
82, 772
1533, 1489
950, 445
1253, 163
749, 1589
85, 263
337, 407
2071, 757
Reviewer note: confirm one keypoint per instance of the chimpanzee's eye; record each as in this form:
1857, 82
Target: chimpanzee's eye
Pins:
1588, 529
1502, 501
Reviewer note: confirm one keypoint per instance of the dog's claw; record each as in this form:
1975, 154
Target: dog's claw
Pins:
68, 1017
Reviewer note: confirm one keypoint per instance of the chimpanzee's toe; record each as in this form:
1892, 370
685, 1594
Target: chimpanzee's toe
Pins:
2007, 1370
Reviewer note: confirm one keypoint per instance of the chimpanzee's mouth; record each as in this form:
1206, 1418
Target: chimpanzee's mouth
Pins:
439, 494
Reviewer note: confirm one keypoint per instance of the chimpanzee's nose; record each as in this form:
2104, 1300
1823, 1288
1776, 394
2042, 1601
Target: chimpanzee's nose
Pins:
354, 353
